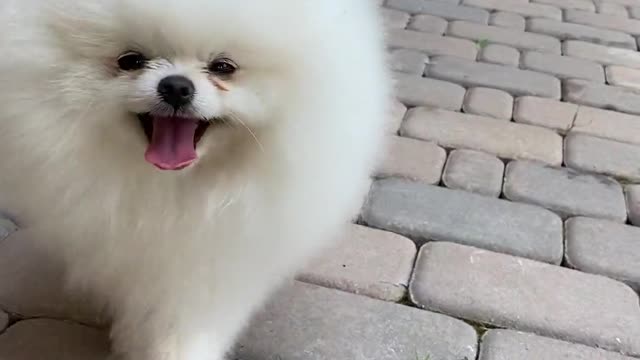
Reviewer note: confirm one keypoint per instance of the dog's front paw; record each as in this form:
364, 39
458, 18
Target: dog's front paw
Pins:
192, 348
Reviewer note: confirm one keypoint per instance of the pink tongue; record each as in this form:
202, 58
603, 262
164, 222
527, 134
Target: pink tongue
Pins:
171, 146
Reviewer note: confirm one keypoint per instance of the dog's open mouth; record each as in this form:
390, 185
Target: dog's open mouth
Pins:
172, 140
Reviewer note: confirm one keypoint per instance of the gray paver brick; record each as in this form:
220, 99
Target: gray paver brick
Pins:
442, 9
509, 79
625, 2
602, 54
604, 247
608, 124
604, 21
632, 193
563, 67
432, 44
501, 35
523, 8
7, 227
424, 212
412, 159
428, 23
53, 339
408, 61
571, 31
507, 20
474, 171
31, 283
565, 191
603, 156
527, 295
305, 322
395, 19
416, 91
500, 54
505, 139
569, 4
544, 112
365, 261
602, 96
623, 76
515, 345
488, 102
612, 9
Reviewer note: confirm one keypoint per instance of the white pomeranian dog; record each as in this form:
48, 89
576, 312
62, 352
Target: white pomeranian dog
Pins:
183, 157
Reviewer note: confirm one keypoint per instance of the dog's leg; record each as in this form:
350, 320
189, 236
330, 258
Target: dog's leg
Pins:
197, 329
160, 342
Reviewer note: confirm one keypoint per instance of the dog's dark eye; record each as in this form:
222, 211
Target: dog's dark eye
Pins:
223, 67
131, 61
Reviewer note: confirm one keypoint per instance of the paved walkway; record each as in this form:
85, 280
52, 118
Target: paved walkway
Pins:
500, 227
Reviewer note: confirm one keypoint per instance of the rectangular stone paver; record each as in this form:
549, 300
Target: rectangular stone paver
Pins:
565, 191
569, 4
565, 31
416, 91
602, 54
602, 96
522, 8
365, 261
7, 227
544, 112
623, 76
526, 295
500, 35
424, 212
506, 139
474, 171
488, 102
408, 61
432, 44
603, 21
632, 194
500, 54
509, 79
515, 345
608, 124
625, 2
612, 9
305, 322
603, 156
32, 285
412, 159
52, 339
442, 9
428, 23
394, 19
604, 247
507, 20
563, 67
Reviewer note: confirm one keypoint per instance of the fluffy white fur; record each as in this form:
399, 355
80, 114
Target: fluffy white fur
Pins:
182, 259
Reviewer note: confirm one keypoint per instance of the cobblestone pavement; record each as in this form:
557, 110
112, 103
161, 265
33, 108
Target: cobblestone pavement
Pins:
501, 225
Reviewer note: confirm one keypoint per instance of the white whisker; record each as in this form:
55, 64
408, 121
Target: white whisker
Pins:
237, 118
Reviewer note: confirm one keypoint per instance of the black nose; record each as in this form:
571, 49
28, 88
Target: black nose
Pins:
176, 90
